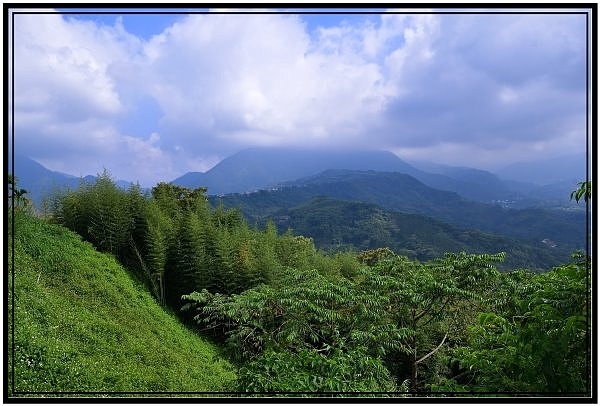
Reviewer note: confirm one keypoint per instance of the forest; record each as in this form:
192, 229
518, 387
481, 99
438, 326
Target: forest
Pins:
299, 321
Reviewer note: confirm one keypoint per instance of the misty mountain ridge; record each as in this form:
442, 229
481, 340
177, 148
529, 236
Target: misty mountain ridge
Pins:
258, 168
542, 182
546, 172
261, 168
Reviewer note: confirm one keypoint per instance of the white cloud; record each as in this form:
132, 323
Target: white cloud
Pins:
261, 80
426, 84
67, 100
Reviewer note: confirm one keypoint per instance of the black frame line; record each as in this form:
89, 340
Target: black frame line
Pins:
588, 9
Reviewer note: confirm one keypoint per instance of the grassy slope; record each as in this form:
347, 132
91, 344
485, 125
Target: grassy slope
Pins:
82, 323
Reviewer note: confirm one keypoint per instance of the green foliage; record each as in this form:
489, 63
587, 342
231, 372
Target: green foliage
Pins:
99, 212
397, 312
424, 298
172, 240
337, 225
539, 339
401, 204
172, 198
159, 232
16, 195
183, 266
312, 372
82, 323
305, 309
371, 257
297, 319
109, 221
584, 190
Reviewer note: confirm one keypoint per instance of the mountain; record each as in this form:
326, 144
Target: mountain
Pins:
38, 180
41, 182
403, 193
472, 183
336, 224
260, 168
517, 186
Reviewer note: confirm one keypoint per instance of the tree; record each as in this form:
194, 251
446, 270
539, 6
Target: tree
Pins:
183, 268
159, 234
538, 338
399, 311
110, 222
16, 196
308, 370
430, 302
584, 190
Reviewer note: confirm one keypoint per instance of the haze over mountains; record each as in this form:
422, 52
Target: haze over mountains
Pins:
523, 184
258, 168
40, 181
355, 193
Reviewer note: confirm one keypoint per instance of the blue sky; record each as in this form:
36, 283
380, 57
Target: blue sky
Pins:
152, 96
151, 22
140, 25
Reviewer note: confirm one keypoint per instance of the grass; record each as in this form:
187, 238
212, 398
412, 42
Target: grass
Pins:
83, 324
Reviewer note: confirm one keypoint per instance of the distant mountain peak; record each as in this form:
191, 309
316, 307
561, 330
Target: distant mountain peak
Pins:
256, 168
40, 181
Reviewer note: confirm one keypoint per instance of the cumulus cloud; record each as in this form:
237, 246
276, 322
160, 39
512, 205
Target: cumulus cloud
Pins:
68, 101
260, 80
432, 86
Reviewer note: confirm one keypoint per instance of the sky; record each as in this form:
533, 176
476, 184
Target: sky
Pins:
150, 97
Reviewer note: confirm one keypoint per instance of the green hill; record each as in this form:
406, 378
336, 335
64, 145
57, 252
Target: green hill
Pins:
403, 193
336, 224
83, 324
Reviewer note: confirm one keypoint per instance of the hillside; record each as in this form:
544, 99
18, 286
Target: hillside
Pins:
259, 168
83, 324
403, 193
335, 224
543, 183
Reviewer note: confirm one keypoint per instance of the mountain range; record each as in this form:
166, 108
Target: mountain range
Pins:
403, 193
260, 168
263, 168
338, 225
368, 198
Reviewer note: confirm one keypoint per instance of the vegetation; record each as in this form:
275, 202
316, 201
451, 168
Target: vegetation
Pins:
82, 323
341, 225
583, 191
401, 193
537, 340
297, 321
16, 196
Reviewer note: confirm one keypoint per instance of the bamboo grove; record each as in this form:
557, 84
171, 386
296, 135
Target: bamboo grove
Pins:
300, 321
